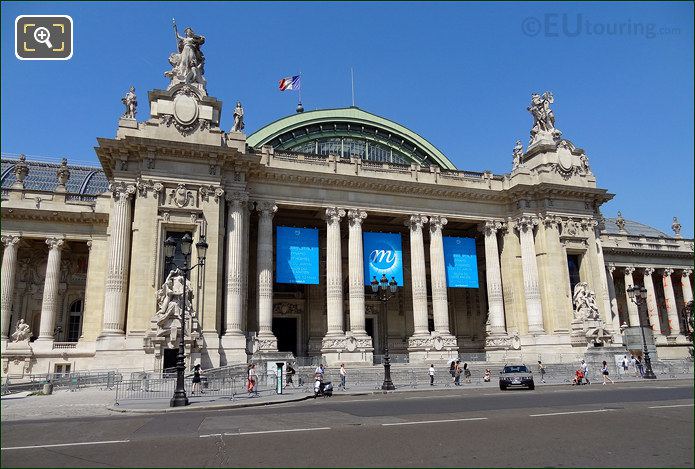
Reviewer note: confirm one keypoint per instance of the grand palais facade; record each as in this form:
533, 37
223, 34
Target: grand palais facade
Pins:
514, 266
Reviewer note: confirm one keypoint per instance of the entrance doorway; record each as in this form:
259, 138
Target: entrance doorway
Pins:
285, 329
370, 327
169, 359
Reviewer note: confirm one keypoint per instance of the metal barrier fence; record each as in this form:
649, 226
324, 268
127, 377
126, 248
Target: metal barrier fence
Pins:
72, 381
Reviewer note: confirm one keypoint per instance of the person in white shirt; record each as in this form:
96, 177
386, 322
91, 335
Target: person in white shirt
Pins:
585, 370
343, 375
319, 370
626, 364
431, 373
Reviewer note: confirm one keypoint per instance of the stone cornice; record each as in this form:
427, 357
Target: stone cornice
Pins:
54, 216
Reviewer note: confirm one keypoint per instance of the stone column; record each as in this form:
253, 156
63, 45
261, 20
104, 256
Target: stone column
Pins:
9, 269
356, 266
652, 308
534, 309
615, 314
493, 278
685, 285
440, 306
418, 274
632, 311
235, 262
334, 275
119, 255
671, 309
51, 298
264, 263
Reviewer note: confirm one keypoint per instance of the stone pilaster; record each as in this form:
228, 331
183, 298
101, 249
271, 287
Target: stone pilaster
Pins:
119, 254
9, 269
51, 298
440, 305
356, 267
652, 308
615, 314
671, 308
534, 310
632, 311
235, 256
494, 279
685, 285
418, 274
334, 274
266, 212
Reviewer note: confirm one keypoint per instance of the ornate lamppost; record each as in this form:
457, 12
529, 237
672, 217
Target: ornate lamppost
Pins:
385, 290
180, 399
638, 295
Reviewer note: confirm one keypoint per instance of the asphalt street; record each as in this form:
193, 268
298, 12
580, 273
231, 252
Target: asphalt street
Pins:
644, 424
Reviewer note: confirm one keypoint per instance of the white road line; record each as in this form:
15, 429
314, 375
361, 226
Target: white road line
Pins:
433, 397
356, 400
432, 421
67, 444
668, 406
575, 412
207, 436
279, 431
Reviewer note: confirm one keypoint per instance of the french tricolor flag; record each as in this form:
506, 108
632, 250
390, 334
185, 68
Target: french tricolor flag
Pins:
290, 83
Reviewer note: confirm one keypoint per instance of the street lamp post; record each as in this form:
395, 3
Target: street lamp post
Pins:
385, 291
180, 399
638, 295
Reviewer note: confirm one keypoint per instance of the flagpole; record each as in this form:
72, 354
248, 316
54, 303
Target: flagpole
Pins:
300, 87
352, 83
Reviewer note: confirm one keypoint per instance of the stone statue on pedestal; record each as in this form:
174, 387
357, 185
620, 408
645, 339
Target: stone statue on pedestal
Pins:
130, 101
238, 118
22, 332
188, 64
584, 300
169, 315
516, 154
543, 117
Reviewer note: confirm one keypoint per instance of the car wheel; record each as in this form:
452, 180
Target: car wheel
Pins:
503, 388
531, 387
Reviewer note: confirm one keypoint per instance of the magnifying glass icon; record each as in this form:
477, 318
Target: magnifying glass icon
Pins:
43, 35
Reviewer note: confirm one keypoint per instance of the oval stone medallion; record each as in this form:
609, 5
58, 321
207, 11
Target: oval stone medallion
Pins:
185, 109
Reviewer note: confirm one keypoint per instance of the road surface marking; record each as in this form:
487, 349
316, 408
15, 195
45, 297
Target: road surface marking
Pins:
667, 406
67, 444
433, 397
279, 431
575, 412
207, 436
432, 421
356, 400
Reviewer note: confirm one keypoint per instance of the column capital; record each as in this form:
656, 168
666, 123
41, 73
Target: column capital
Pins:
55, 243
525, 222
121, 191
266, 208
10, 240
629, 270
491, 227
415, 222
334, 214
648, 270
686, 272
437, 223
552, 221
667, 272
356, 216
611, 269
237, 198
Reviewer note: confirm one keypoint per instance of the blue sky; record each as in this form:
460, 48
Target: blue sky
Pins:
459, 74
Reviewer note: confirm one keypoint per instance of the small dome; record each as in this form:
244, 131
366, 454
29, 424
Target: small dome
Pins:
634, 228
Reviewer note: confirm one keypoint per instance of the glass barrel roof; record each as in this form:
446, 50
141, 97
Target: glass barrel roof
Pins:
42, 177
633, 228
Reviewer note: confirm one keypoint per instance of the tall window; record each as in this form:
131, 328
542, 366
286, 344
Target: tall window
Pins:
75, 321
573, 265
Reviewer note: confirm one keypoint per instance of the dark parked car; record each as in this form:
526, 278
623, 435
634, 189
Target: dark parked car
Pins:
516, 375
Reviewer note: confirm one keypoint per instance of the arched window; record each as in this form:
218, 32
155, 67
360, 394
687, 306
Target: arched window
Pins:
75, 321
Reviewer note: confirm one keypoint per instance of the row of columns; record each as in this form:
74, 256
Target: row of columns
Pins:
652, 308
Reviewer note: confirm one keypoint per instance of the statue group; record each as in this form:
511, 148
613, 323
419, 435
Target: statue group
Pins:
169, 306
188, 65
543, 117
22, 332
584, 300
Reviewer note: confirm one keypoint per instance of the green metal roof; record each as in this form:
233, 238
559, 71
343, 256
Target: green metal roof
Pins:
351, 115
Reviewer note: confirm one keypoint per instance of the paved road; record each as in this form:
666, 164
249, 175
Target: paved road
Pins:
629, 424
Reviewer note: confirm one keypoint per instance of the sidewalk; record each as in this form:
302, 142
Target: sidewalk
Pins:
91, 402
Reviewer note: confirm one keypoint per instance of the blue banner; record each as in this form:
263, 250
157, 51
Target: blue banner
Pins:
383, 255
461, 262
297, 255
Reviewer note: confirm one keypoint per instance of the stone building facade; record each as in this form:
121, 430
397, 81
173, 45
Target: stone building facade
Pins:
83, 262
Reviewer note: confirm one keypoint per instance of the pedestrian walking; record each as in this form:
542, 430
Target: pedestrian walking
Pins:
457, 373
633, 364
466, 373
289, 374
251, 380
431, 373
640, 368
604, 372
343, 376
585, 370
626, 364
541, 371
452, 371
196, 380
488, 375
